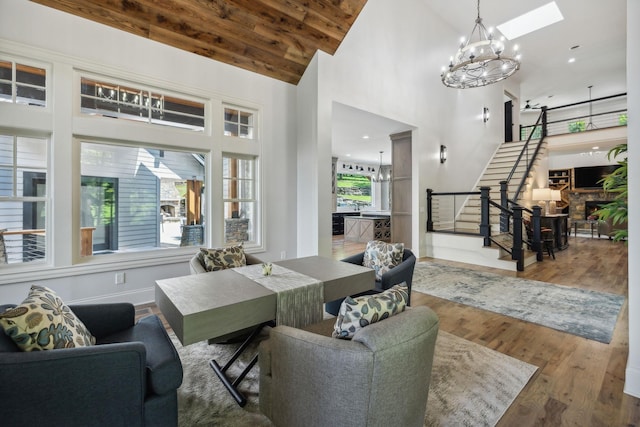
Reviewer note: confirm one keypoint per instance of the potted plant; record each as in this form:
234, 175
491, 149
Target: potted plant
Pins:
616, 182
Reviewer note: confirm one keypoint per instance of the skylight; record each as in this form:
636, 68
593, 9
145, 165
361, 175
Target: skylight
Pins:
531, 21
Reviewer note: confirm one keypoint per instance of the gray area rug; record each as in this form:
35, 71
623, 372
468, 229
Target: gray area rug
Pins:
580, 312
471, 386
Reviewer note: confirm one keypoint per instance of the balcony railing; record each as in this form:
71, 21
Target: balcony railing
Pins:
600, 113
18, 246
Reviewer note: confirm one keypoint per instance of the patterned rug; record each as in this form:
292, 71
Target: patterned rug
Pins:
470, 386
580, 312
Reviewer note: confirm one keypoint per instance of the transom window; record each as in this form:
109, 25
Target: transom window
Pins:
238, 123
23, 198
22, 84
142, 105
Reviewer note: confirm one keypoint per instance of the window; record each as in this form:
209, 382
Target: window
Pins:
131, 103
239, 194
23, 198
22, 84
139, 198
354, 190
238, 123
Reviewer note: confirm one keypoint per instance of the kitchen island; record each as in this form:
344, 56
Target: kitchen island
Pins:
367, 227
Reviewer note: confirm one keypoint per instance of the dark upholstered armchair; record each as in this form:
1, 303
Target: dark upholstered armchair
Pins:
403, 272
129, 378
379, 378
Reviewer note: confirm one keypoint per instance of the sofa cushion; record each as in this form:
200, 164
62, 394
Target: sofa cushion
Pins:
382, 256
222, 258
356, 313
44, 322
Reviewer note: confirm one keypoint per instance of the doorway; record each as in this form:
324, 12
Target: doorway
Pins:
99, 197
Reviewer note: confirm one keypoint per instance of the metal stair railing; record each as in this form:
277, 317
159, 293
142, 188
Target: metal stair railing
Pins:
542, 122
514, 212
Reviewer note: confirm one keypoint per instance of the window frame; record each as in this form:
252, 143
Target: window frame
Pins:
66, 127
252, 135
163, 91
145, 252
15, 198
15, 60
255, 185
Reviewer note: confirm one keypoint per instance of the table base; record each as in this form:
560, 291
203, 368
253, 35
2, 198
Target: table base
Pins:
232, 384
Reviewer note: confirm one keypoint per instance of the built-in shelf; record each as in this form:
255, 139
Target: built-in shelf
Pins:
560, 179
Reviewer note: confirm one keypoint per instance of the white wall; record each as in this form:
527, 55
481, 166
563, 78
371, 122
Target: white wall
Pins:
389, 64
632, 383
68, 42
571, 160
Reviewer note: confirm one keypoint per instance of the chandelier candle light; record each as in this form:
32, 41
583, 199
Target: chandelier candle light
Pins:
480, 60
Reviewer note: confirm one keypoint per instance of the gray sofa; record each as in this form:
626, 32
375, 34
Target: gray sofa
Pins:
129, 378
608, 228
379, 378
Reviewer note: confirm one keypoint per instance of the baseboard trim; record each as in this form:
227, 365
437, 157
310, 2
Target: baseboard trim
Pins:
632, 382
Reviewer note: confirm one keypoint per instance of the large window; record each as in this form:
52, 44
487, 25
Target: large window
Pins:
22, 84
239, 194
139, 198
354, 190
23, 198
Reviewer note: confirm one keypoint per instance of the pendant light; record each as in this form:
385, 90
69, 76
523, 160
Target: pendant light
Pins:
379, 176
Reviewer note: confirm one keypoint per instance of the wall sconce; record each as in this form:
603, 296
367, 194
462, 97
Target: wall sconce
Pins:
485, 114
443, 153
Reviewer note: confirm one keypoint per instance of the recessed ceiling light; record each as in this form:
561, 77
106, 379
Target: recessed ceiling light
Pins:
531, 21
571, 60
594, 148
348, 155
365, 136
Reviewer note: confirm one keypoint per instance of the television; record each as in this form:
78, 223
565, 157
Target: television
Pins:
589, 176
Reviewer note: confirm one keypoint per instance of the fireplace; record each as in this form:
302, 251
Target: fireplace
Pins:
590, 206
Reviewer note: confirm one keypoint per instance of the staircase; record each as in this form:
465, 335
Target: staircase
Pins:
498, 170
460, 239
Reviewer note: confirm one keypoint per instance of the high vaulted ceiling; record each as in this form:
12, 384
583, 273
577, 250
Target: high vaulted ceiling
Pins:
274, 38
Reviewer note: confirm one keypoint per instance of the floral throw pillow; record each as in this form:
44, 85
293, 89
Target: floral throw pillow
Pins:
382, 256
44, 322
356, 313
222, 258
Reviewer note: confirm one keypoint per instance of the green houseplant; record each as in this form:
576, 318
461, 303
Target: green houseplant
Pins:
616, 182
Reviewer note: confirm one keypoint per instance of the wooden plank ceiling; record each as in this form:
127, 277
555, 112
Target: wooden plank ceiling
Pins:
276, 38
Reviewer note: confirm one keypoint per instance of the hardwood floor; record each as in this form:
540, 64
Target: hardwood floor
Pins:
579, 382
